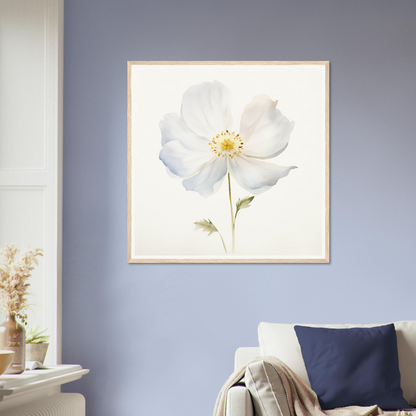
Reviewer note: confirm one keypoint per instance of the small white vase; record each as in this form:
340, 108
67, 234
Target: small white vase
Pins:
36, 352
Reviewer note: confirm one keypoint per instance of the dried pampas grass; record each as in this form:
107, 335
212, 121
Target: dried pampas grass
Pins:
14, 274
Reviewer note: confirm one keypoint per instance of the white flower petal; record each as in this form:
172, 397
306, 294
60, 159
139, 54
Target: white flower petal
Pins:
183, 162
256, 176
206, 109
171, 174
173, 128
217, 185
264, 130
208, 181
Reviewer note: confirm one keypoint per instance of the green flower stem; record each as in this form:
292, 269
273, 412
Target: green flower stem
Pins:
225, 248
232, 212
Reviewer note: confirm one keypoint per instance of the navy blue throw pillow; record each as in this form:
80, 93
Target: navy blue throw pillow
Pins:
356, 366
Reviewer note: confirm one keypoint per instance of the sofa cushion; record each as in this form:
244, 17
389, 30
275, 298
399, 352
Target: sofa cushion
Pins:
266, 390
280, 340
244, 355
356, 366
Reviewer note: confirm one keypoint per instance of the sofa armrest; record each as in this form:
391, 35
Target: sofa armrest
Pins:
239, 402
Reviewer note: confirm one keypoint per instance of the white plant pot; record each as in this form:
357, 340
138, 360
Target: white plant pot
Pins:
36, 352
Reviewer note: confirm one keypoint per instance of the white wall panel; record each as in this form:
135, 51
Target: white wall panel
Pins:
22, 216
23, 223
22, 84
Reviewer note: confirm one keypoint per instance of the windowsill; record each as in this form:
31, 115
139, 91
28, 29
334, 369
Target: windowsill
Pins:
38, 382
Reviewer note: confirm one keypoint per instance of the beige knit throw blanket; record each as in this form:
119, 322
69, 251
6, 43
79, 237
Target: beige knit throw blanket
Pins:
302, 400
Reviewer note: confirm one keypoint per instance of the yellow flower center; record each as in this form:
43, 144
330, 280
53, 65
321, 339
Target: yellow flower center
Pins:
226, 144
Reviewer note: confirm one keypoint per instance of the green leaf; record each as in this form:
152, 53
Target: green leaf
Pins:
207, 226
34, 335
243, 203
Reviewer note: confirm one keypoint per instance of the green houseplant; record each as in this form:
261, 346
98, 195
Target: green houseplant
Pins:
36, 344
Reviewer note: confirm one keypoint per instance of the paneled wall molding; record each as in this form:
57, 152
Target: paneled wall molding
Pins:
27, 178
31, 81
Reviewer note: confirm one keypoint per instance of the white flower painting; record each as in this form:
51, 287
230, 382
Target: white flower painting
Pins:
201, 146
238, 151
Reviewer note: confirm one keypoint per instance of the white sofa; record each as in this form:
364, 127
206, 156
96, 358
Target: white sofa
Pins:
280, 340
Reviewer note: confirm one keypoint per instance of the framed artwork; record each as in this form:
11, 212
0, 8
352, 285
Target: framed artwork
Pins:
228, 162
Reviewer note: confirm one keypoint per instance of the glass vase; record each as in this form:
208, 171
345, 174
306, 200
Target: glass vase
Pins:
12, 337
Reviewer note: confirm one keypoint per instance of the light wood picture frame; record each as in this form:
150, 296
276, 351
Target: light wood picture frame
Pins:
228, 162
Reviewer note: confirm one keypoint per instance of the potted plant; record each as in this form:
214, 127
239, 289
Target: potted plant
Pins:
36, 344
14, 275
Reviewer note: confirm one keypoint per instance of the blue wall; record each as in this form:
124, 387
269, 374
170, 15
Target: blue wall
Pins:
159, 339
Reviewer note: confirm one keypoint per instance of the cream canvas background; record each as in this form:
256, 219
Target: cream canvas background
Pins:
286, 222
